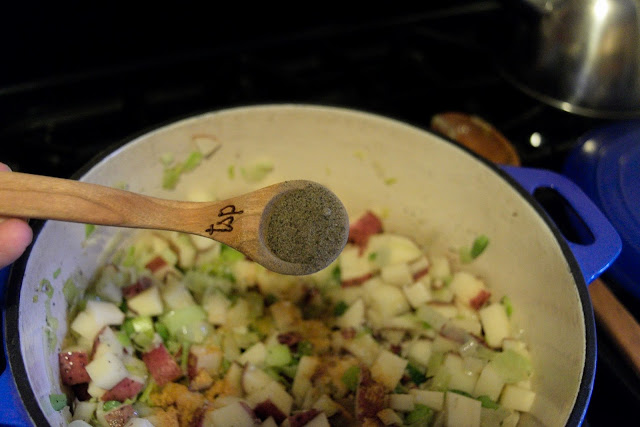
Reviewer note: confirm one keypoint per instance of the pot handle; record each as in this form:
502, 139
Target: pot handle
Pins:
595, 257
12, 412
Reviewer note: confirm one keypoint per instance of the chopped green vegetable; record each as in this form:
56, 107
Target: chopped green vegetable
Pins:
144, 397
488, 403
192, 162
46, 287
479, 245
373, 256
304, 348
228, 254
417, 377
184, 356
111, 404
56, 273
88, 230
69, 291
390, 181
512, 366
172, 172
340, 308
461, 392
123, 338
186, 323
508, 306
336, 274
58, 401
421, 415
162, 330
231, 172
278, 355
270, 299
350, 378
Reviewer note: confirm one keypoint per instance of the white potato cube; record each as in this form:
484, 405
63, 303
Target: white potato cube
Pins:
517, 398
401, 402
388, 369
147, 302
353, 265
460, 378
364, 347
389, 301
234, 414
419, 352
389, 417
489, 383
353, 317
461, 410
255, 355
86, 326
396, 274
302, 380
107, 370
276, 393
105, 313
417, 294
495, 324
467, 288
176, 295
430, 398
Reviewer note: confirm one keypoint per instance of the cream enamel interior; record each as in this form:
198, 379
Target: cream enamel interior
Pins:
430, 189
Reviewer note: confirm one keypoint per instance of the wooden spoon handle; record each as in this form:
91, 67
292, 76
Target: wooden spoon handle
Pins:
33, 196
617, 322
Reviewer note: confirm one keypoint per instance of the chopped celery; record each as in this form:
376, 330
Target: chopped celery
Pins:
228, 254
123, 338
417, 377
192, 162
142, 324
278, 355
488, 402
508, 306
184, 356
88, 230
70, 291
144, 397
512, 366
350, 377
58, 401
479, 245
304, 348
340, 308
162, 330
420, 416
111, 404
57, 273
175, 320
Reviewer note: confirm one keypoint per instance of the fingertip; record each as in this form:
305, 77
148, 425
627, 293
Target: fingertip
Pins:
15, 236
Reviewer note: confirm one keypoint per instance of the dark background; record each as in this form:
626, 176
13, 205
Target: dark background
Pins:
76, 79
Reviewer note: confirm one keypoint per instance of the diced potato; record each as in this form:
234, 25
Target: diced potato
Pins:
495, 324
432, 399
389, 417
147, 302
107, 370
489, 383
353, 264
353, 317
419, 352
417, 294
388, 300
517, 398
388, 369
396, 274
461, 410
401, 402
364, 347
459, 377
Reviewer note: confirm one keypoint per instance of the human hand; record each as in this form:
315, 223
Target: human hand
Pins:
15, 234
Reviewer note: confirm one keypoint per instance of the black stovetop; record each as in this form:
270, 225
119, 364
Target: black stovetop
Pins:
75, 82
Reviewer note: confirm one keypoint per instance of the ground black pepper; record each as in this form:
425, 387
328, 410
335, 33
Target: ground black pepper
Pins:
306, 226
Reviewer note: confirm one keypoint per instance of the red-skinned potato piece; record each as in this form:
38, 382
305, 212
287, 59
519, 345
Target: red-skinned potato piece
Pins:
357, 281
479, 300
119, 416
360, 231
162, 367
156, 264
72, 367
268, 409
302, 418
142, 284
125, 389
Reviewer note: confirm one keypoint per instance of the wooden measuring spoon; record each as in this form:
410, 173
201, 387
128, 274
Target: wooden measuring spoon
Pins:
294, 227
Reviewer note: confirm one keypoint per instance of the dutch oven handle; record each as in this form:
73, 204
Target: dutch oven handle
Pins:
595, 257
12, 411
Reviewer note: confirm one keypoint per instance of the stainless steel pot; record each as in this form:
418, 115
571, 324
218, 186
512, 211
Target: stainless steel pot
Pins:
582, 56
433, 189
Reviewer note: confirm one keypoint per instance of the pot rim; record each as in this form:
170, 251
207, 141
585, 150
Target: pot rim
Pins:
11, 311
